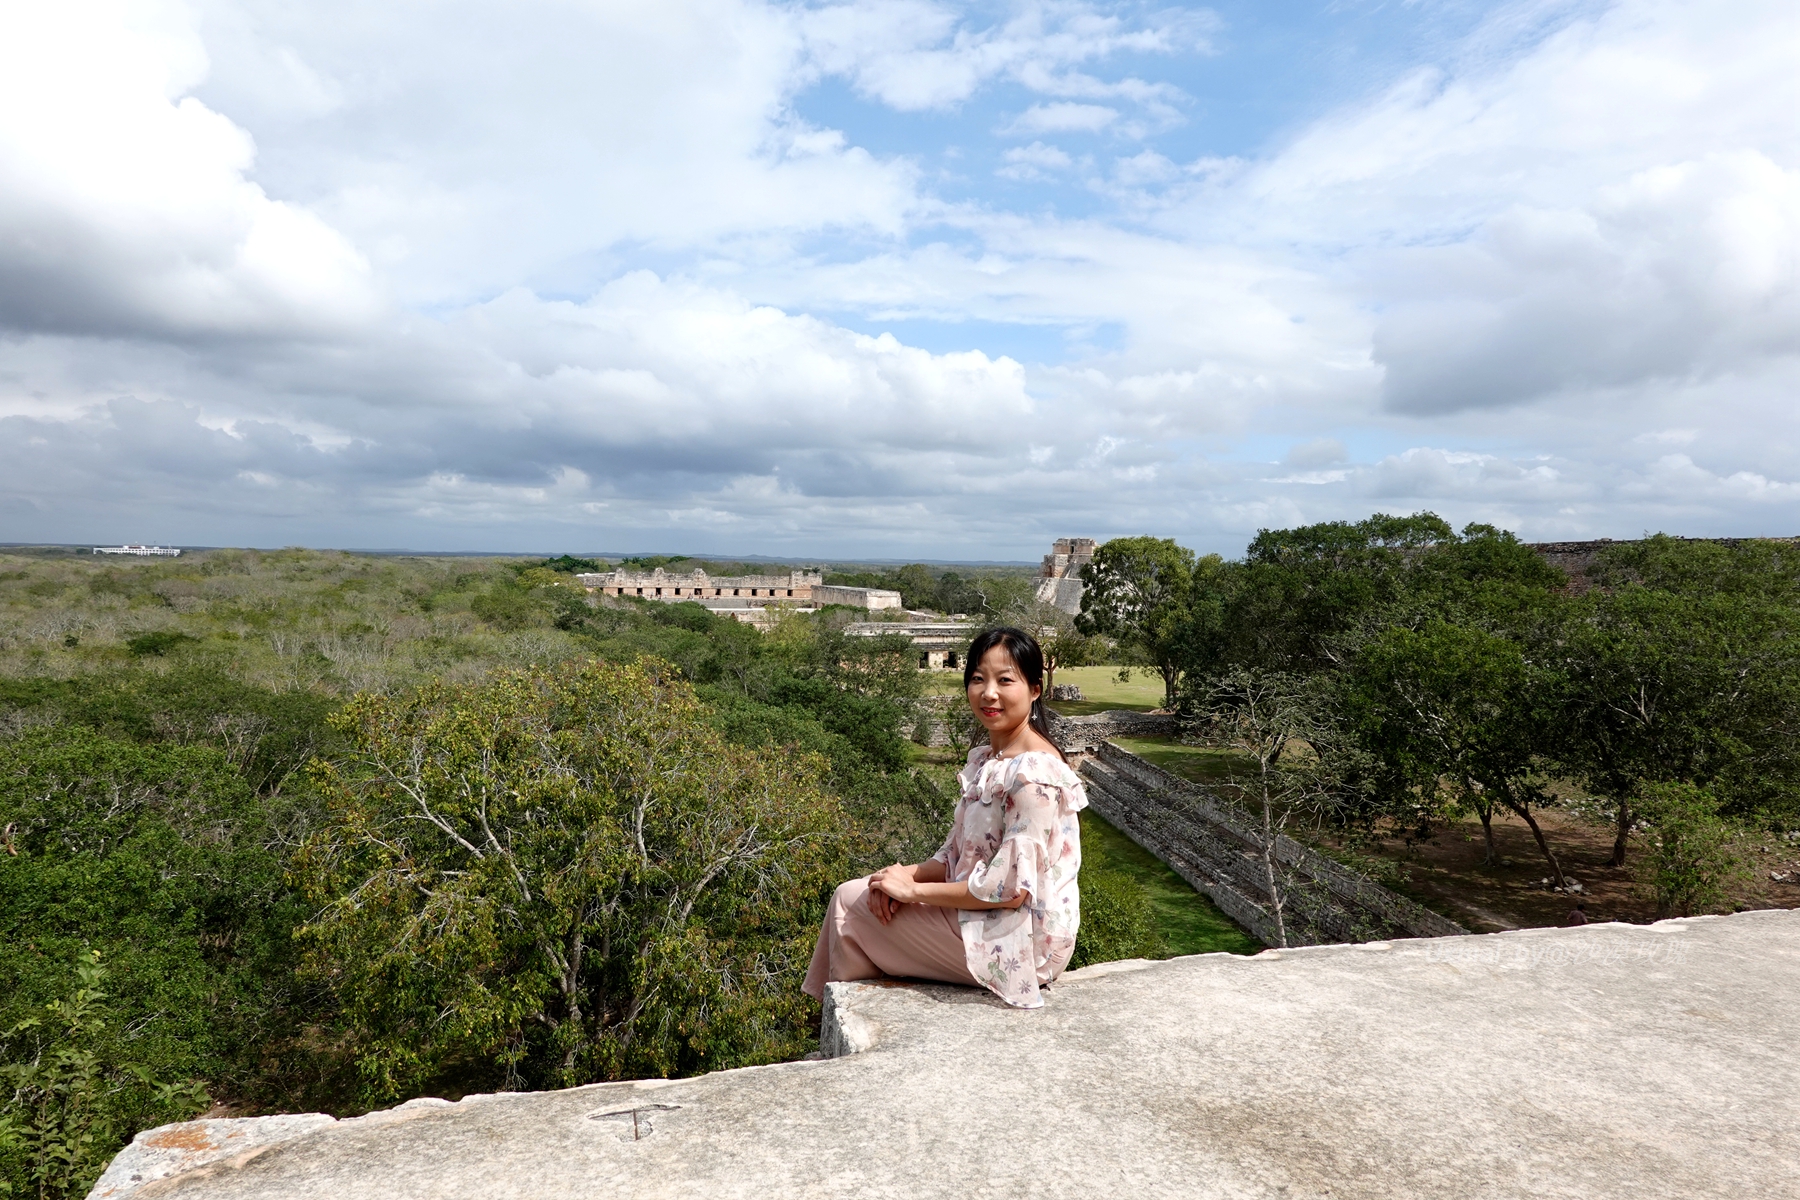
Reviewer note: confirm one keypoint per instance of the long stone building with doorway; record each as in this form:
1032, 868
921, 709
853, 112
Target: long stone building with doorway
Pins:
806, 590
941, 644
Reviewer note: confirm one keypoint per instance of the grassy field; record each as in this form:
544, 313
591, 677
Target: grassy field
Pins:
1186, 919
1102, 691
1202, 764
286, 620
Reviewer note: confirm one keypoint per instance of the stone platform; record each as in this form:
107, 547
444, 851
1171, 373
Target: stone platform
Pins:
1607, 1061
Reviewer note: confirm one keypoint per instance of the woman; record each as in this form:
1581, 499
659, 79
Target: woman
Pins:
997, 905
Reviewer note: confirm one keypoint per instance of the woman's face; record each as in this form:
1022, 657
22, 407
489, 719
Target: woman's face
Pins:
998, 692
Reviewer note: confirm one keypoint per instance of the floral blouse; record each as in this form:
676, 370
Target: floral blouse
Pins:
1015, 830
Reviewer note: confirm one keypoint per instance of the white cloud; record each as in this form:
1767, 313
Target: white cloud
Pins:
1683, 269
1062, 117
588, 274
470, 148
915, 54
1034, 161
125, 201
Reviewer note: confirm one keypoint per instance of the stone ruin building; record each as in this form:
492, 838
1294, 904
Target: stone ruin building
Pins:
941, 644
746, 597
1059, 580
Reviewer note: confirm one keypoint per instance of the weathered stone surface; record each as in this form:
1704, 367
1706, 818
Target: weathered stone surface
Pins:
174, 1149
1604, 1061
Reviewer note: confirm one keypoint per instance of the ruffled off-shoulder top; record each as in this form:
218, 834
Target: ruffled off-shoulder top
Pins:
1016, 831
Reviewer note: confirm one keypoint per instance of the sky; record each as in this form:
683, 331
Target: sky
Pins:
894, 278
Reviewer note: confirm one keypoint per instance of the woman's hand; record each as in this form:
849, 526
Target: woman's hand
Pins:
896, 885
882, 905
923, 883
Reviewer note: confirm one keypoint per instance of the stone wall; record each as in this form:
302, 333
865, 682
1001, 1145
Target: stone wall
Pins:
1218, 851
1059, 579
659, 584
873, 599
1078, 735
940, 644
730, 592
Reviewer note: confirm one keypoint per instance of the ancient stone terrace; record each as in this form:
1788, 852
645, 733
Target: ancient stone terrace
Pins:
1643, 1062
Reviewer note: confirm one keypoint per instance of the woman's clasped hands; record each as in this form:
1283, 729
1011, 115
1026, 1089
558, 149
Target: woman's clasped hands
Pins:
891, 887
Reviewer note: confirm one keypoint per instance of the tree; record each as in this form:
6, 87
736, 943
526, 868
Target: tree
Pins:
560, 876
160, 858
1280, 720
1300, 590
1205, 633
1062, 643
1460, 705
72, 1103
1665, 687
1137, 594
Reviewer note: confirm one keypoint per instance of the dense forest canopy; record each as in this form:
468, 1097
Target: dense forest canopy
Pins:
191, 787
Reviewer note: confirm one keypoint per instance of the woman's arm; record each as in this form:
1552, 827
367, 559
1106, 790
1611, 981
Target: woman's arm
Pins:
924, 884
885, 906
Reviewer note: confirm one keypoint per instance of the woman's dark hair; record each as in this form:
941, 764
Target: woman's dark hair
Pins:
1028, 656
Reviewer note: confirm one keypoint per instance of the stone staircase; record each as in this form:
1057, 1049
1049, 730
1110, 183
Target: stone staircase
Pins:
1217, 850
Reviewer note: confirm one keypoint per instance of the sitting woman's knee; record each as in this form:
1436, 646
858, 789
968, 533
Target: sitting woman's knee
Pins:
850, 892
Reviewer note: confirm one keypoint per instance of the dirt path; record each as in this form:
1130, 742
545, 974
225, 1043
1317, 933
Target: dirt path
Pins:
1445, 872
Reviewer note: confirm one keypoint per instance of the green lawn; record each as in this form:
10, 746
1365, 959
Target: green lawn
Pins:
1186, 919
1201, 764
1102, 691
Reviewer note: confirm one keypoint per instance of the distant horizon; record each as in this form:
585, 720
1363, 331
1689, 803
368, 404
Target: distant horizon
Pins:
401, 552
784, 560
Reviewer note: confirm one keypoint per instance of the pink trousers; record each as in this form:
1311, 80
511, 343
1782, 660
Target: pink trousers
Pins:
921, 942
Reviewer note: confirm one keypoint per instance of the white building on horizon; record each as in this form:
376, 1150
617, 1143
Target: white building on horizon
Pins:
140, 551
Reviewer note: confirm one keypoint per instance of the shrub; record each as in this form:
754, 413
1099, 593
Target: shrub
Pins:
156, 644
1117, 920
72, 1104
510, 608
1692, 860
561, 876
163, 859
